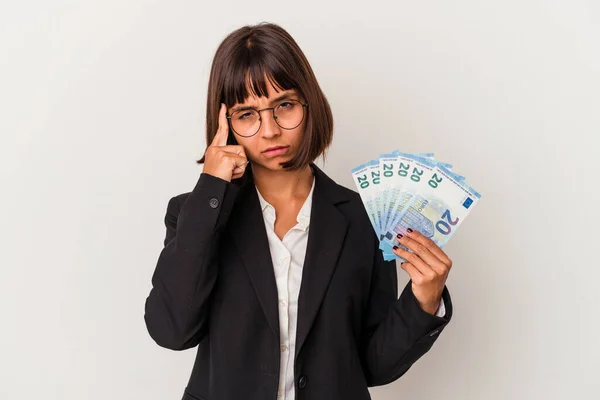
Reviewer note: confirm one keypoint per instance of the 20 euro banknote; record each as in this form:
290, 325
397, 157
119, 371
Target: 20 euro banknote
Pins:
436, 210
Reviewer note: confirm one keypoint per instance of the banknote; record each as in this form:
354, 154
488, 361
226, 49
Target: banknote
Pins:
401, 190
390, 166
437, 210
366, 179
408, 178
387, 167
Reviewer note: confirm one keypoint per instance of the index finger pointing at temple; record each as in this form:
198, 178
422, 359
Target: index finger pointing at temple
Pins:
220, 138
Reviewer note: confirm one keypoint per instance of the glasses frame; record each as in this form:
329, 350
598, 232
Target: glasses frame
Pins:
304, 105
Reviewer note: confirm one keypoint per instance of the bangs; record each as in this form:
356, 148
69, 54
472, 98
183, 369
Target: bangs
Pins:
248, 69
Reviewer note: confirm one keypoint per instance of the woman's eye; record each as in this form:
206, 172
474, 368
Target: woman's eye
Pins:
285, 104
244, 115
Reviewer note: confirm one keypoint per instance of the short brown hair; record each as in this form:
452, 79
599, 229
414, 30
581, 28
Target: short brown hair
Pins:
243, 59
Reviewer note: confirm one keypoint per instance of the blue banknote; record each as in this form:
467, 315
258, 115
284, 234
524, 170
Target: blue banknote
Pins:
412, 190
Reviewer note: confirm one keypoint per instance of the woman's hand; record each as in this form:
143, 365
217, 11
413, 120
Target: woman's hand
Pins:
221, 160
428, 267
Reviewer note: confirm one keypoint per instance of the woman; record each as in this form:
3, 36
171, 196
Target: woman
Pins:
270, 267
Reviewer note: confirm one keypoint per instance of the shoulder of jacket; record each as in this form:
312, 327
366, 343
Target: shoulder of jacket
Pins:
181, 198
350, 194
176, 202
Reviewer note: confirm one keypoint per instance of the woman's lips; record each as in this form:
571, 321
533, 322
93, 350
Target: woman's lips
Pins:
276, 152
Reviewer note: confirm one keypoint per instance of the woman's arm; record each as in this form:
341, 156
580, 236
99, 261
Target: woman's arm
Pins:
398, 331
176, 309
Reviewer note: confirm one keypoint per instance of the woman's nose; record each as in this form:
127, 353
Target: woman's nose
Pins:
268, 126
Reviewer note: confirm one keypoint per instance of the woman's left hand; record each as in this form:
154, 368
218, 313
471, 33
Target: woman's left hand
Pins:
428, 267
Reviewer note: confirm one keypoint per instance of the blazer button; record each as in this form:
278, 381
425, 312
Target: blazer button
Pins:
214, 203
302, 382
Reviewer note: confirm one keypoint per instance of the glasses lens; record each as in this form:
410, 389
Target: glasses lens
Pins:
245, 122
289, 114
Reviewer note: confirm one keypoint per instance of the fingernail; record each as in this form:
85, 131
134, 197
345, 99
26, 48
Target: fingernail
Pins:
399, 236
395, 247
409, 230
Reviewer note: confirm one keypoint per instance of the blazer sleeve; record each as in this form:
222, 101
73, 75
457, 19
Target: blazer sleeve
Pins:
398, 331
176, 310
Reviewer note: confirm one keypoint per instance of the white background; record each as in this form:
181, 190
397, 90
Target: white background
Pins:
102, 107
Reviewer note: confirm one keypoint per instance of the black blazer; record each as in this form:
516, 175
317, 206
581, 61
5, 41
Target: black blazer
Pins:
214, 287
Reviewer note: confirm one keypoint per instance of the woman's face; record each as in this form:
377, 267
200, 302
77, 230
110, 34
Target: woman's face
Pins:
270, 135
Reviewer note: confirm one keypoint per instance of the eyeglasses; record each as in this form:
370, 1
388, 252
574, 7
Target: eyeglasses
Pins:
288, 114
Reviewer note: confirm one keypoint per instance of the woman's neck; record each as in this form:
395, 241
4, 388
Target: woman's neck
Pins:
281, 186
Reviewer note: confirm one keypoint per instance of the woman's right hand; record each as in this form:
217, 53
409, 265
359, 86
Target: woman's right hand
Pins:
221, 160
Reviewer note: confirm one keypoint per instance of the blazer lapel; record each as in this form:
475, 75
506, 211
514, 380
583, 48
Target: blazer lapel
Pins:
248, 233
327, 230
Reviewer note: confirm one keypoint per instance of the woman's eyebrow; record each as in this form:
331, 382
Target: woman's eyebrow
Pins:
284, 96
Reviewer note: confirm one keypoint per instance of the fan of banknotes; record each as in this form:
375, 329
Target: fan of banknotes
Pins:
402, 190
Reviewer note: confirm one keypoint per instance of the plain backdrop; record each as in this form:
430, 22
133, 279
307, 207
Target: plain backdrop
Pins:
102, 107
